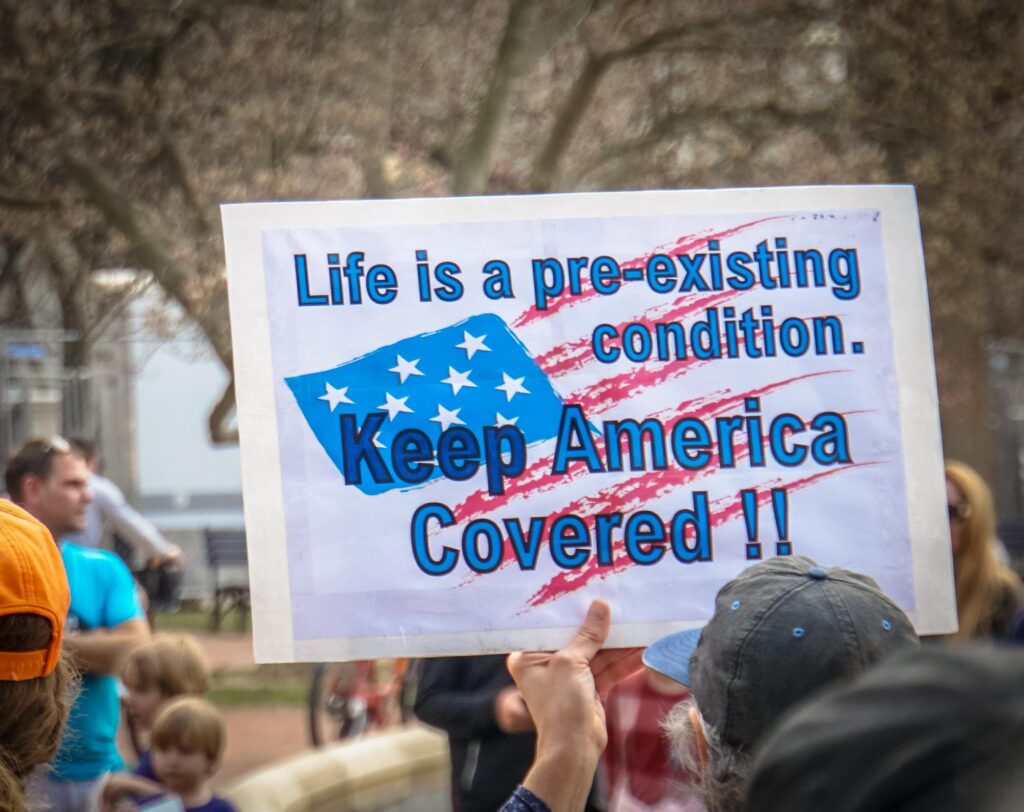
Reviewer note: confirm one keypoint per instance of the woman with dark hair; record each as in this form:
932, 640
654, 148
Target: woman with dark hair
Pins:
988, 593
36, 682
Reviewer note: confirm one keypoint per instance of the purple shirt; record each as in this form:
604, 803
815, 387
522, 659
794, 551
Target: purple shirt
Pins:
215, 804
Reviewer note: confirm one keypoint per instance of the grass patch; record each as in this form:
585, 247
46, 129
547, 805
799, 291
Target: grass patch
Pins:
264, 685
184, 620
192, 619
269, 694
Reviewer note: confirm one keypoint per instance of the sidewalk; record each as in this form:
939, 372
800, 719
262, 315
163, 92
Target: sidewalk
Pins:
258, 736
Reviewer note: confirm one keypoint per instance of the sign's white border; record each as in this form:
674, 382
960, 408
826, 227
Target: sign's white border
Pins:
257, 420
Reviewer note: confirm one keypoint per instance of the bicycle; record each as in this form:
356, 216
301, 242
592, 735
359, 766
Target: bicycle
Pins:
353, 698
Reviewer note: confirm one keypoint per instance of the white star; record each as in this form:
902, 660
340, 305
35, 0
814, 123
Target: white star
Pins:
500, 420
458, 380
377, 442
473, 344
447, 417
394, 406
334, 396
405, 368
512, 386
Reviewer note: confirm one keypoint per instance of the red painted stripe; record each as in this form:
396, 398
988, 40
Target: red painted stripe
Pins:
723, 511
575, 354
537, 478
685, 243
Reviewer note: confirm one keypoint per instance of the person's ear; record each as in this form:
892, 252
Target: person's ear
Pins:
31, 486
699, 740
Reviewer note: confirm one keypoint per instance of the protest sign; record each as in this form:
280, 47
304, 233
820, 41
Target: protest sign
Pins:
462, 419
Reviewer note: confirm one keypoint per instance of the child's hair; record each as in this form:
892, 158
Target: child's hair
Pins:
191, 724
173, 663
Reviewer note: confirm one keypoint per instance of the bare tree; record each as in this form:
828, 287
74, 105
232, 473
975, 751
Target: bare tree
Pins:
128, 122
937, 90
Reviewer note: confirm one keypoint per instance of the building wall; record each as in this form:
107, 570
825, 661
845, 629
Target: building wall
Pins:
183, 483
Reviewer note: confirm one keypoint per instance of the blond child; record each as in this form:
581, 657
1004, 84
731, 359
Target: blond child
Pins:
187, 743
165, 667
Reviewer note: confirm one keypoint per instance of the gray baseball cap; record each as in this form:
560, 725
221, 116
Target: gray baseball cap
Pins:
782, 630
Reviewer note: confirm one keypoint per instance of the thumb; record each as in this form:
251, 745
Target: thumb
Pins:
592, 633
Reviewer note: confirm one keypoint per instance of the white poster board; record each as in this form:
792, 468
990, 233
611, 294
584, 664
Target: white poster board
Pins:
463, 419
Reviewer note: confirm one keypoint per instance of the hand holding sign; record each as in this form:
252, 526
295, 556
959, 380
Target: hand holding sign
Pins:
562, 691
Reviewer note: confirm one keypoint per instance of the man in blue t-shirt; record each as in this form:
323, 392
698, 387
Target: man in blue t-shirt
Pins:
49, 480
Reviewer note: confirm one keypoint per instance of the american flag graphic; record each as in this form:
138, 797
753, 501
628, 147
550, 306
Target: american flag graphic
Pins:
475, 373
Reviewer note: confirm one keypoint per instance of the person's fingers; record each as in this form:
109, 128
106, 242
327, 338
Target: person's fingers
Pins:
120, 785
520, 713
514, 664
585, 645
526, 723
590, 636
519, 662
612, 665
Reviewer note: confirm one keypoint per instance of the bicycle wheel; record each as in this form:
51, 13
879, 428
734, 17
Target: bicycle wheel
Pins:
407, 691
333, 712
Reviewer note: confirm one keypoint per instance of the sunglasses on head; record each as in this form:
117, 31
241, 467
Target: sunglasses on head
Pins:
55, 445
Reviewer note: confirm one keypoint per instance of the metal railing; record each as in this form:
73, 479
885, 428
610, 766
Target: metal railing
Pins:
39, 396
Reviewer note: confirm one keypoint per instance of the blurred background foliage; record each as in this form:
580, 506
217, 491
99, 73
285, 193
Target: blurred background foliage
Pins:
125, 123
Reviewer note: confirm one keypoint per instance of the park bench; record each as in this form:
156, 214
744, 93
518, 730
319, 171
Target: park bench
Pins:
226, 550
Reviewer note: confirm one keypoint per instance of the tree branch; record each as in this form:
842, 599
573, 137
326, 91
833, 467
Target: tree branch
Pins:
148, 248
749, 120
544, 174
64, 266
220, 431
659, 130
28, 202
531, 28
375, 178
12, 271
474, 163
170, 149
112, 308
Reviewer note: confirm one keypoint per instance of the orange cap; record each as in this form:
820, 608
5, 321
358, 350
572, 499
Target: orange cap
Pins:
32, 581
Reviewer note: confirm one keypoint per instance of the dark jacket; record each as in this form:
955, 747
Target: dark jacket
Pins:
456, 694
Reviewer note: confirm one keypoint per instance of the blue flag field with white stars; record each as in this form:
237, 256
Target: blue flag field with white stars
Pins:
475, 373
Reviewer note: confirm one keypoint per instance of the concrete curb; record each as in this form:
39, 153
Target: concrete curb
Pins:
406, 769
